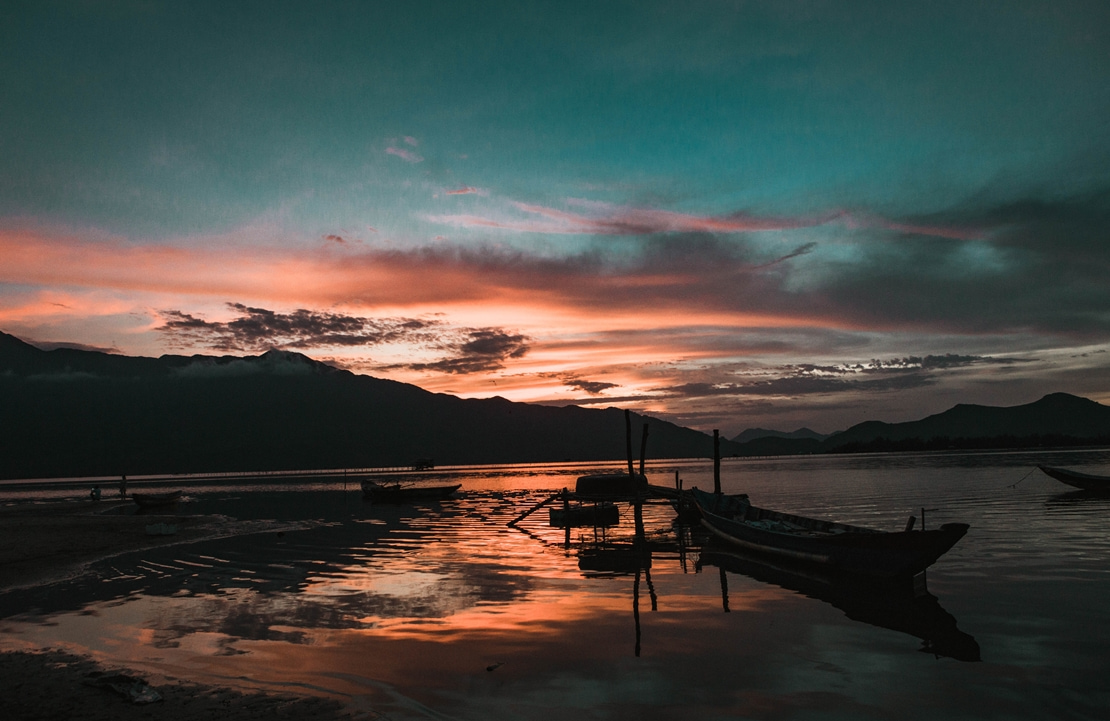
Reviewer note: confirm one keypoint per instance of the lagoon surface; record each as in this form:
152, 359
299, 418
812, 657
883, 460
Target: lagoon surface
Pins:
443, 611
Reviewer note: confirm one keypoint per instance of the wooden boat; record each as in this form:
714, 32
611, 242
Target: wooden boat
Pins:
150, 500
591, 514
850, 549
1086, 481
403, 493
611, 485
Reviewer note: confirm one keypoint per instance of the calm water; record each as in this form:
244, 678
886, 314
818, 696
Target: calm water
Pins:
442, 611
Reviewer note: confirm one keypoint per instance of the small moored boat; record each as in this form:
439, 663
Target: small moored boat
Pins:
595, 514
611, 485
150, 500
1086, 481
402, 493
851, 549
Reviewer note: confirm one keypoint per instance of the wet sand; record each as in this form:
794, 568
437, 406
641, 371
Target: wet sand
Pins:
41, 543
44, 542
56, 685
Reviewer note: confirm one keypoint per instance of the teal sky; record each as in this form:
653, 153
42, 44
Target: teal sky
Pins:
786, 186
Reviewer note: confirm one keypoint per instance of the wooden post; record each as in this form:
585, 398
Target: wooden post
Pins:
716, 461
566, 518
643, 448
636, 608
628, 440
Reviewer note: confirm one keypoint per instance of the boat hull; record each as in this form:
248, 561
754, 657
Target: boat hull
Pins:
1075, 479
850, 549
600, 514
613, 486
396, 493
153, 500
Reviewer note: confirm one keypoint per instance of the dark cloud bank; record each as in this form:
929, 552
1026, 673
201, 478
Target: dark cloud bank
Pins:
465, 350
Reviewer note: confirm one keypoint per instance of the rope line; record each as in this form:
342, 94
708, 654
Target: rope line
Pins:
1023, 477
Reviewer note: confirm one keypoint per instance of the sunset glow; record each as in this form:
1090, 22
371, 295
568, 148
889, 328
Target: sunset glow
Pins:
732, 218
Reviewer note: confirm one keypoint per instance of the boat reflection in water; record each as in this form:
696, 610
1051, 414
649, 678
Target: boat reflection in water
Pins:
892, 604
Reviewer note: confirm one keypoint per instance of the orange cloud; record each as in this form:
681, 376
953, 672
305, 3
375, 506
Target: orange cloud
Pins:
583, 293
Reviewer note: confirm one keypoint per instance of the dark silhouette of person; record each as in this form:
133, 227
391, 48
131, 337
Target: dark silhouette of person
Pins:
123, 486
95, 493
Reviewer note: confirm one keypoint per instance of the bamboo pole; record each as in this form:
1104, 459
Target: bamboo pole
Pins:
628, 440
716, 461
643, 449
533, 509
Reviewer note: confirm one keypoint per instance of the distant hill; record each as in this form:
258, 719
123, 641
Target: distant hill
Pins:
1058, 419
1054, 420
753, 433
69, 412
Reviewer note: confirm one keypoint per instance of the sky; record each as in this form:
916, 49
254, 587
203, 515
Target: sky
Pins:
723, 214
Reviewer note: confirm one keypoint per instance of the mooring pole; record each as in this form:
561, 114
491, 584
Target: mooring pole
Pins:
636, 608
628, 441
566, 518
716, 461
643, 448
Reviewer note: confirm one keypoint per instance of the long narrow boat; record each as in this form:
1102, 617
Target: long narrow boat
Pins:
402, 493
150, 500
1086, 481
851, 549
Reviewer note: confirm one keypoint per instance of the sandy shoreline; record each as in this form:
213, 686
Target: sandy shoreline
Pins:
45, 542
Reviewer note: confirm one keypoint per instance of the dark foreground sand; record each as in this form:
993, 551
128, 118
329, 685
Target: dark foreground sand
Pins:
40, 543
56, 685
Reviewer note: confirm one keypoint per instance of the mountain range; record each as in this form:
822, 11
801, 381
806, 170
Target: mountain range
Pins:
1057, 419
752, 434
68, 412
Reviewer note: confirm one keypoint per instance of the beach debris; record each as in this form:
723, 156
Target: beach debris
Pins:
161, 529
135, 690
495, 666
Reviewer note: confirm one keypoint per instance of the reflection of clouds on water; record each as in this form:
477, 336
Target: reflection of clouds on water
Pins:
405, 608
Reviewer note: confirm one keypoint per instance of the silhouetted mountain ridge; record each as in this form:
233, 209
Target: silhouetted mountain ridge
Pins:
1057, 419
752, 434
73, 412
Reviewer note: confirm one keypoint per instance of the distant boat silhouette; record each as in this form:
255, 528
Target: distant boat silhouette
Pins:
1086, 481
403, 493
151, 500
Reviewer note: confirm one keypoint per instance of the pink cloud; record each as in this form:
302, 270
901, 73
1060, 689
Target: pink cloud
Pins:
614, 220
937, 231
465, 190
627, 221
406, 155
411, 141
